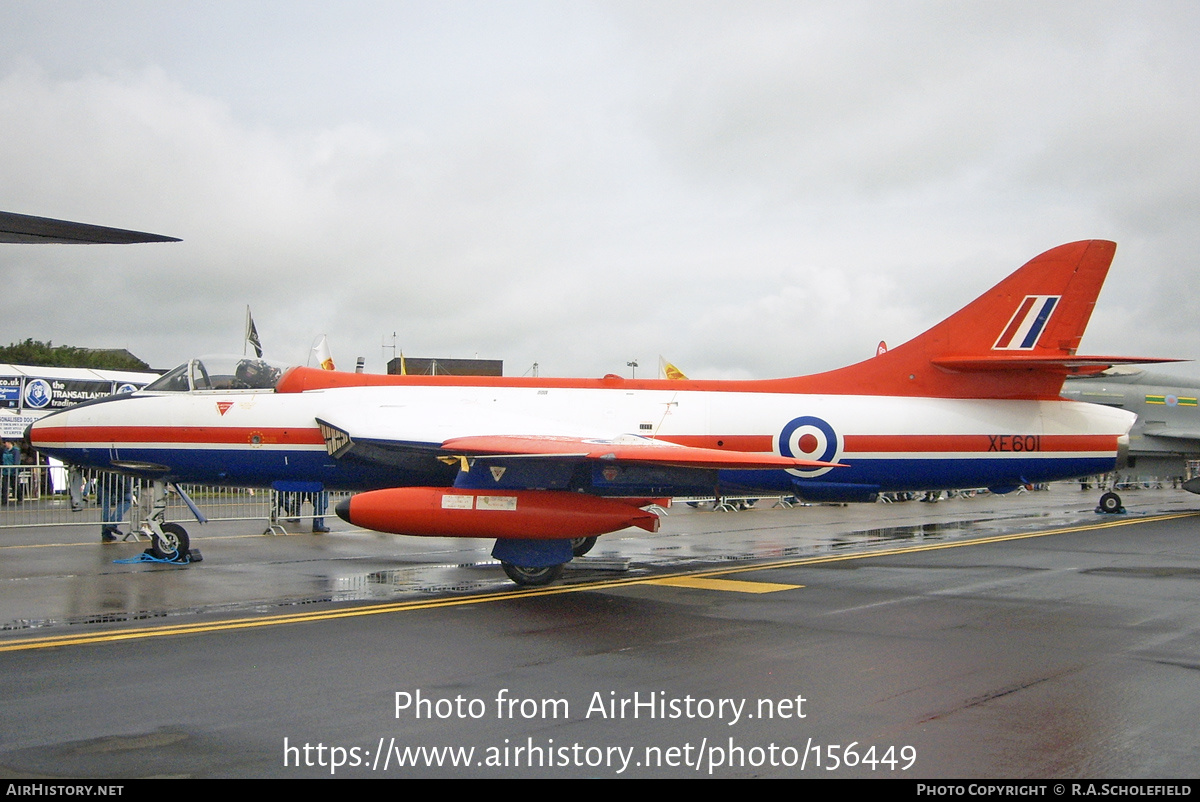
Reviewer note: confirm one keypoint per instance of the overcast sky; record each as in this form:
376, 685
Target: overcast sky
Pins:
749, 189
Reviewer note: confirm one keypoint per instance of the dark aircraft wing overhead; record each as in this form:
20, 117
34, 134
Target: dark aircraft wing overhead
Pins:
1171, 432
22, 228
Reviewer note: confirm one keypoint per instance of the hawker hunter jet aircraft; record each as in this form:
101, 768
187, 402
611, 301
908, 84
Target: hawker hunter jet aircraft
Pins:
540, 463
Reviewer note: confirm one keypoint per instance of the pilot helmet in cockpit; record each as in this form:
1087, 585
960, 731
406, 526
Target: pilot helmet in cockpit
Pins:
254, 374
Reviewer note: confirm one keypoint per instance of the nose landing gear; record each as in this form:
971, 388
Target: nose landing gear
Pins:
1110, 504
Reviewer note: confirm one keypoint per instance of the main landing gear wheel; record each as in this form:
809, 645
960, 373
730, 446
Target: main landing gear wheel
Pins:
582, 545
173, 545
532, 577
1110, 503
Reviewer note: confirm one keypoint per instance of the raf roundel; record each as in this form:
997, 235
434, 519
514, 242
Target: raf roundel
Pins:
809, 437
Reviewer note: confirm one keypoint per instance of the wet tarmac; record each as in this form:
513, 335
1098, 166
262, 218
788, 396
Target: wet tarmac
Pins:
993, 637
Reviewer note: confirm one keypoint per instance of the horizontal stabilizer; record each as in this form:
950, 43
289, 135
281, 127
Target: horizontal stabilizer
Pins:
1065, 364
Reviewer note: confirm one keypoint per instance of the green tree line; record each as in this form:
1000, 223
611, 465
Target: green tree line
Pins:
46, 354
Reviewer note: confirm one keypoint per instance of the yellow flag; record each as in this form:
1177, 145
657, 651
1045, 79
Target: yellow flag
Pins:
669, 371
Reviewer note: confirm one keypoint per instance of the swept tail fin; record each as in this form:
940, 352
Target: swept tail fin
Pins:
1017, 340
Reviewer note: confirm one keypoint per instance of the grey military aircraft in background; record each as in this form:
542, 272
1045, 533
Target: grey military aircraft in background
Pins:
1167, 432
24, 229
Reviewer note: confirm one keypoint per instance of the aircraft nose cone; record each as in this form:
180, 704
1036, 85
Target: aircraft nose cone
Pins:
343, 510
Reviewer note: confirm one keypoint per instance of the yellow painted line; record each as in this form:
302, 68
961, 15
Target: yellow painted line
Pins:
100, 543
730, 585
110, 636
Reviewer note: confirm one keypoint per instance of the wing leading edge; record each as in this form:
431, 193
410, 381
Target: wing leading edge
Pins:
629, 448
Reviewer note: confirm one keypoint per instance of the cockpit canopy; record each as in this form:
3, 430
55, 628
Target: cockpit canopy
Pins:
220, 372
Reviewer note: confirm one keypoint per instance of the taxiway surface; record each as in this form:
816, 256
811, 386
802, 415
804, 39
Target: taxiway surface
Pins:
995, 637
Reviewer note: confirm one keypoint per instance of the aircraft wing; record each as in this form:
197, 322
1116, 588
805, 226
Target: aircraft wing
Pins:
629, 449
1172, 433
22, 228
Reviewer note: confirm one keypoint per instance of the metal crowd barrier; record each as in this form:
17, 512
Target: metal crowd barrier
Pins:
41, 495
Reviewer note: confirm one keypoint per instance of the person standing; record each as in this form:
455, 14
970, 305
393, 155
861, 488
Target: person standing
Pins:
114, 496
320, 502
10, 464
76, 484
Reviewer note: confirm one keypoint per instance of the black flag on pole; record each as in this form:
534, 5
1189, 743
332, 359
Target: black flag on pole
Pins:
252, 334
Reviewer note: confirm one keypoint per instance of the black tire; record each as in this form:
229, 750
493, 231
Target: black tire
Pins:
173, 545
1110, 502
532, 577
582, 545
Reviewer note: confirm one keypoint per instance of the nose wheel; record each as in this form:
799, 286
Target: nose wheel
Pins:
1110, 503
172, 544
168, 541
